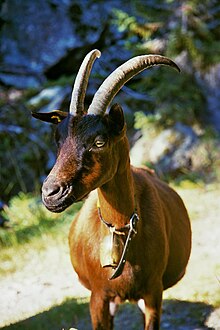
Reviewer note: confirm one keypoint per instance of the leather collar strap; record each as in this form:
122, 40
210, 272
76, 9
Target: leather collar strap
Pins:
132, 230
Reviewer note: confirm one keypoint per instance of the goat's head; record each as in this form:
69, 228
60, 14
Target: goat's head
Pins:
88, 141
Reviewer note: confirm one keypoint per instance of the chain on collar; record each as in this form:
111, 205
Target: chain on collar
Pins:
132, 230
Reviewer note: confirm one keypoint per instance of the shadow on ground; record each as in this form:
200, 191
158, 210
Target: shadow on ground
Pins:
177, 315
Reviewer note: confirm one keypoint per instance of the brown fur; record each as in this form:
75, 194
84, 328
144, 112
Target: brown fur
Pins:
158, 254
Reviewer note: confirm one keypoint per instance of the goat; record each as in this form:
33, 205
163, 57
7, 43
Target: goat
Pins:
132, 238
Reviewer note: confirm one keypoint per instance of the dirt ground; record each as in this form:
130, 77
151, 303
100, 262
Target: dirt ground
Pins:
47, 278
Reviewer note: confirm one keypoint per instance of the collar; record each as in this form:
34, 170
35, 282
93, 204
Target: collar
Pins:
132, 231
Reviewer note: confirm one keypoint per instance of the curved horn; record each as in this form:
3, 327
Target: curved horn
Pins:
81, 82
116, 80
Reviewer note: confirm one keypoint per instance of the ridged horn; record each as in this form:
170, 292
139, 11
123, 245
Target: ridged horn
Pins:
116, 80
81, 82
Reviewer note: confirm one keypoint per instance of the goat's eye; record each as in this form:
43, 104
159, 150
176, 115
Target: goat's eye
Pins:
99, 143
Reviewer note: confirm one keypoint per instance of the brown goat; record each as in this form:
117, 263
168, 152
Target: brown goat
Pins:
132, 238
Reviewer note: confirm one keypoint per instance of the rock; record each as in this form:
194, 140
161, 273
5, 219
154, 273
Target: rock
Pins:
169, 152
212, 83
49, 98
213, 321
139, 153
33, 39
18, 80
49, 38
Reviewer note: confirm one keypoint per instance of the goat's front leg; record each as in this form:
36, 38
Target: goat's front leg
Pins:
152, 313
99, 311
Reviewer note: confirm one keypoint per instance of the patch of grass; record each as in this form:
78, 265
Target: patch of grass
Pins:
31, 228
14, 258
28, 218
190, 180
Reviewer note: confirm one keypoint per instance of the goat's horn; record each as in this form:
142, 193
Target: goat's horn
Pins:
81, 82
116, 80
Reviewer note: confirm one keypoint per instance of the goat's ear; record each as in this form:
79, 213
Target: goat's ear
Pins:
116, 117
54, 117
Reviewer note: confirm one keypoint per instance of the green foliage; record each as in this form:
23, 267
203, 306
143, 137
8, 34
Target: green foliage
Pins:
191, 26
26, 149
179, 99
197, 33
174, 28
148, 124
189, 180
175, 98
130, 24
28, 218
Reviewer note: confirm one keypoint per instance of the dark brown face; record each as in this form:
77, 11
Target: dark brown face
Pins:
87, 158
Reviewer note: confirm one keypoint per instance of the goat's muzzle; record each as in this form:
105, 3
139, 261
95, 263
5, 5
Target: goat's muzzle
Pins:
56, 196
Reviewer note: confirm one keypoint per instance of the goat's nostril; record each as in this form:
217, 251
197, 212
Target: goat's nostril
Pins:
50, 190
54, 191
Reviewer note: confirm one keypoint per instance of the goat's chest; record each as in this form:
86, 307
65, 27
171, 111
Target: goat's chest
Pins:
85, 245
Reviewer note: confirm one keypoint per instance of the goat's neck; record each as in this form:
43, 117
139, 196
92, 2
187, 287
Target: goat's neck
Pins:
116, 197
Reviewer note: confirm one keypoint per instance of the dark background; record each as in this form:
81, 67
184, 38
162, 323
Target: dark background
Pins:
43, 43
